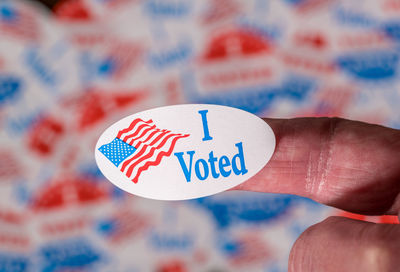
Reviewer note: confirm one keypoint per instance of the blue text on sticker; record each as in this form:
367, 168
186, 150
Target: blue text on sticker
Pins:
222, 166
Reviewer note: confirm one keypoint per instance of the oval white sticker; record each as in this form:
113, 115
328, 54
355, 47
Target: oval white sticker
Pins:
184, 151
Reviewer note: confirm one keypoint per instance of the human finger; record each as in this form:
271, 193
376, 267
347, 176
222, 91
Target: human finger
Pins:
342, 244
347, 164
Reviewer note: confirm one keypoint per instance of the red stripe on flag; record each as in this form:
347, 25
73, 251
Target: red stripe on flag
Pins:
152, 134
139, 153
135, 132
149, 142
141, 135
148, 155
149, 137
155, 140
131, 126
158, 159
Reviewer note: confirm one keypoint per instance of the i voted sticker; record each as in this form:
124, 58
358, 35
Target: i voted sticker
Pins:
184, 151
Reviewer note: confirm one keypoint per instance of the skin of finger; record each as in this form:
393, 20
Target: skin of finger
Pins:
351, 165
342, 244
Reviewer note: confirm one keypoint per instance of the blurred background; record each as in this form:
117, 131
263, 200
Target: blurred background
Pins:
69, 69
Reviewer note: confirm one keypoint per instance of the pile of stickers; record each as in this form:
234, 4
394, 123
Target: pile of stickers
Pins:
66, 76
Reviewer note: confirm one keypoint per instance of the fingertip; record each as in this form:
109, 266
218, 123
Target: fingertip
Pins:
343, 244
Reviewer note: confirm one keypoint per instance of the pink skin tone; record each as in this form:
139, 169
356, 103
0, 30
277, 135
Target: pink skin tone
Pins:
345, 164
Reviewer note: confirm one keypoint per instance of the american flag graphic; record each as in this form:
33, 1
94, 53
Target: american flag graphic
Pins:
18, 21
140, 146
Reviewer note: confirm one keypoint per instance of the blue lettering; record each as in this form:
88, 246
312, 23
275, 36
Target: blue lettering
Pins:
371, 65
212, 160
68, 254
40, 68
171, 241
10, 87
224, 162
207, 136
205, 169
170, 56
187, 171
19, 124
239, 156
346, 16
13, 262
202, 168
167, 8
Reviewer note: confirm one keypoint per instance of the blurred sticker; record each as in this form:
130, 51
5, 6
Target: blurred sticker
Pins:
184, 151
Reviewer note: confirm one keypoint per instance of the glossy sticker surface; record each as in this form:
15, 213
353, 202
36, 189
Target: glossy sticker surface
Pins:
184, 151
